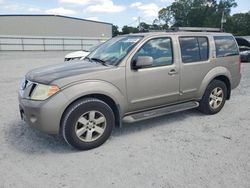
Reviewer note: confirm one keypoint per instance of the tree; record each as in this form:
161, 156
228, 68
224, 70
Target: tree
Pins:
144, 27
196, 13
159, 25
179, 11
165, 15
115, 30
126, 30
238, 24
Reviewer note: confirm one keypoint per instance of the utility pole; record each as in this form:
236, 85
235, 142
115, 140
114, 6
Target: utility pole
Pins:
139, 22
222, 20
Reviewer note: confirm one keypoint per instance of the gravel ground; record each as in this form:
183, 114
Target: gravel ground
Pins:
185, 149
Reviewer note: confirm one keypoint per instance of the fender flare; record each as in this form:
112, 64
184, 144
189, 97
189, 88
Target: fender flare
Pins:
95, 87
211, 75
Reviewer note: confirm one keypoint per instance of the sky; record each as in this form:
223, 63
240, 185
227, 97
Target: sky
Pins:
117, 12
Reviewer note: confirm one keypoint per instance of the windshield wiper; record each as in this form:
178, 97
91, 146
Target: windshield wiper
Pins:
99, 60
87, 58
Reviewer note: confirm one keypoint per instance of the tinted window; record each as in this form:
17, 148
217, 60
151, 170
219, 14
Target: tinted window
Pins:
160, 49
203, 44
225, 46
189, 49
194, 49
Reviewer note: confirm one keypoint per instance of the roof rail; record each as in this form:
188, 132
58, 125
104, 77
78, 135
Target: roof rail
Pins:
196, 29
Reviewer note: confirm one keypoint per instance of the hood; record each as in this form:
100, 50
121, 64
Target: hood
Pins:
48, 74
77, 54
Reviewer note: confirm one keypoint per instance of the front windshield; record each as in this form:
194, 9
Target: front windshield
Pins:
115, 49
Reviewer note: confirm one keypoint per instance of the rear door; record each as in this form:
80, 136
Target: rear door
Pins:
195, 63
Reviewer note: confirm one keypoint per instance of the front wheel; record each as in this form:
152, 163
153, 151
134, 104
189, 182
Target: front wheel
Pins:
214, 97
87, 123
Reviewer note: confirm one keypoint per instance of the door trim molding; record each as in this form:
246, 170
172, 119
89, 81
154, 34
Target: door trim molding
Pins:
154, 98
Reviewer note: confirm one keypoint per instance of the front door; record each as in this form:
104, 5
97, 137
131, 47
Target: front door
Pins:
157, 84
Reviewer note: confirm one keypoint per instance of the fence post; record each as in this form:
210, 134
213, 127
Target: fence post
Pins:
63, 44
22, 44
44, 44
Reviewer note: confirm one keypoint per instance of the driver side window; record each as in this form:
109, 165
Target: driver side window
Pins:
160, 49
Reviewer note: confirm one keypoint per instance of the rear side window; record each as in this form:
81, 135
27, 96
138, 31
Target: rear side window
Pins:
194, 49
203, 44
225, 46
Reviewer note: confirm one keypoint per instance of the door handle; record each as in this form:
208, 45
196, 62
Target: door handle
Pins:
172, 72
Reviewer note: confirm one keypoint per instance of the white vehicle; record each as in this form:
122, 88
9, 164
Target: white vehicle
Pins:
79, 55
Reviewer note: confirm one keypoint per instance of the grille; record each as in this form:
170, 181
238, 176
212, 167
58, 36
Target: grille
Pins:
27, 88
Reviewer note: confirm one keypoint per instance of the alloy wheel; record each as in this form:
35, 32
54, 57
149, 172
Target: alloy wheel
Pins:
216, 98
90, 126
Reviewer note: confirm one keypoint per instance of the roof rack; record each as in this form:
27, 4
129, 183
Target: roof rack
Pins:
195, 29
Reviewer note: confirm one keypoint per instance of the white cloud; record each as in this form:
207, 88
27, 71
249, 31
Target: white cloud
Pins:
244, 11
18, 7
106, 6
60, 11
78, 2
13, 7
134, 18
34, 9
149, 10
95, 18
136, 4
167, 1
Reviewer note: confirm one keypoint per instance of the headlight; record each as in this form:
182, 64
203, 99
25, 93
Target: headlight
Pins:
42, 92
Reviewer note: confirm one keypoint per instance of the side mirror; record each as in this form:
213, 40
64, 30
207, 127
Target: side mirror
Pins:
142, 62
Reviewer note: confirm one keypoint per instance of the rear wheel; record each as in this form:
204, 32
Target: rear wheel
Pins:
87, 123
214, 97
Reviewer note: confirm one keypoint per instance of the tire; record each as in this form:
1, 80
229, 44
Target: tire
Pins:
87, 123
212, 102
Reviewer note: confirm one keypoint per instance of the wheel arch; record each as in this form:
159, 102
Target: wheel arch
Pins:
107, 99
102, 90
218, 73
227, 82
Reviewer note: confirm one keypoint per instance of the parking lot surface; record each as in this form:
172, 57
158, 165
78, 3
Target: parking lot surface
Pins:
185, 149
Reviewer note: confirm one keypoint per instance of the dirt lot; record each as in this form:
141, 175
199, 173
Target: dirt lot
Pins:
186, 149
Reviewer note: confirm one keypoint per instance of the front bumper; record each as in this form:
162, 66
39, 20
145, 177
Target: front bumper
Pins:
43, 115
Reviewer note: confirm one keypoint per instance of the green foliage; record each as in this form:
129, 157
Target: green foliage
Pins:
238, 24
126, 30
115, 30
196, 13
144, 26
165, 15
